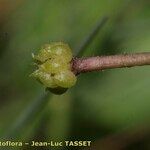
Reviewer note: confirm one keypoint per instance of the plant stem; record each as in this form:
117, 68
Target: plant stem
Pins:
90, 37
27, 116
98, 63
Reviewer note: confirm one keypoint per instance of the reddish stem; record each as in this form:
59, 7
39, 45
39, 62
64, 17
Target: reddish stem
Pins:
81, 65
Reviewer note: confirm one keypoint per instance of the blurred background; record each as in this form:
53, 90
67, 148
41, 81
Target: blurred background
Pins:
102, 105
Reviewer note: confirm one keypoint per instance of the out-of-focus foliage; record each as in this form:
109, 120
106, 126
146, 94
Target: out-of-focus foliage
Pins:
100, 102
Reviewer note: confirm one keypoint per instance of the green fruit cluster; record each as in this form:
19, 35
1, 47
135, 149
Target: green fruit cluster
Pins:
54, 69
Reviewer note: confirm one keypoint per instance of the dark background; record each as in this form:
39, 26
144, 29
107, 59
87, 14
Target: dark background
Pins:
101, 103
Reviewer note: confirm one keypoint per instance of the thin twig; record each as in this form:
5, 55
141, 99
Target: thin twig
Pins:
90, 37
28, 115
81, 65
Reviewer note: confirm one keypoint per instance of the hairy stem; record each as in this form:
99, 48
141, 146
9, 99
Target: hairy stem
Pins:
98, 63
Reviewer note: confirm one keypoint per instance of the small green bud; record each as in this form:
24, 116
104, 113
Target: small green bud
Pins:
54, 66
65, 79
54, 69
54, 50
44, 78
